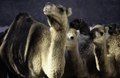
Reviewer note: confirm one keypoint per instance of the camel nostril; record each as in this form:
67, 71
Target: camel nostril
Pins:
71, 38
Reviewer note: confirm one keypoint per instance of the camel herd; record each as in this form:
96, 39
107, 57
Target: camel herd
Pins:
30, 49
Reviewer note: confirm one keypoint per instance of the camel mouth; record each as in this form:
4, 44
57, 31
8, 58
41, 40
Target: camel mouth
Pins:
48, 9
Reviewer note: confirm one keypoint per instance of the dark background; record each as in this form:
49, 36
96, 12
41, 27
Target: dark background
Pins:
92, 11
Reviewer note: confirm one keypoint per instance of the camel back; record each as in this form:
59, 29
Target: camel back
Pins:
15, 42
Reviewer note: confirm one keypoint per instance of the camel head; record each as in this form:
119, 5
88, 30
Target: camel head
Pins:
57, 14
99, 33
72, 38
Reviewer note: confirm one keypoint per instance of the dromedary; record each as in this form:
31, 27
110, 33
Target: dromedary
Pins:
107, 50
74, 67
30, 47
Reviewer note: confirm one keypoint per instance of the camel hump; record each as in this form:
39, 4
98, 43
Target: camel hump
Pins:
21, 14
15, 41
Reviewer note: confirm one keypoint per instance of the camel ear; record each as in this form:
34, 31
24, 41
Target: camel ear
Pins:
78, 33
107, 29
69, 11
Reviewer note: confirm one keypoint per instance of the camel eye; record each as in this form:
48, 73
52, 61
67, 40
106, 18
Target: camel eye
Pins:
72, 38
101, 33
61, 9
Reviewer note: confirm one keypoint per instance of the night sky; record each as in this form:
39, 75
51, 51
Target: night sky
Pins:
92, 11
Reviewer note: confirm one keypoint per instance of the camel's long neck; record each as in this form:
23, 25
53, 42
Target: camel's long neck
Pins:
58, 40
101, 52
77, 62
56, 54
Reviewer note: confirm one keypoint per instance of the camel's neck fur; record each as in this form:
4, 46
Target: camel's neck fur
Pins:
79, 68
56, 59
58, 40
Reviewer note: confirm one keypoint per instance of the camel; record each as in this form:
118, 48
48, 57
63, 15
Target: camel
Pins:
106, 50
74, 67
41, 48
